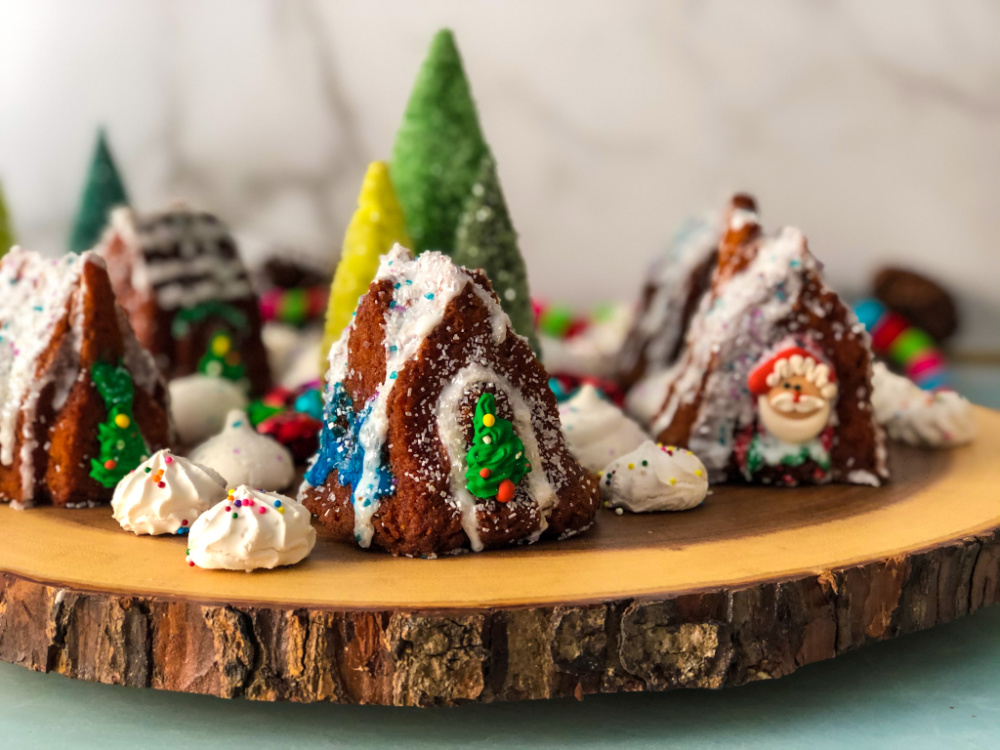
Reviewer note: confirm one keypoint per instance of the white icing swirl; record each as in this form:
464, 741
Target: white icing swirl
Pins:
596, 430
165, 494
654, 477
199, 405
251, 529
914, 416
242, 456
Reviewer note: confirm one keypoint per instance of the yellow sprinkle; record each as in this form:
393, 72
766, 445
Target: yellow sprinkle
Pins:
281, 511
673, 481
631, 466
489, 420
697, 472
220, 346
123, 421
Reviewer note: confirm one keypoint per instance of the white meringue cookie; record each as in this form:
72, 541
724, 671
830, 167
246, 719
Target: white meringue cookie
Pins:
596, 430
654, 477
911, 415
165, 494
242, 456
251, 529
199, 405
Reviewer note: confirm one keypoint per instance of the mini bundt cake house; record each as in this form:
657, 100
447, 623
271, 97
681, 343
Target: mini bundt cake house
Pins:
81, 402
441, 433
188, 296
774, 383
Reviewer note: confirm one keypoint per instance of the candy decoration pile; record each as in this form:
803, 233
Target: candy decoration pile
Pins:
496, 460
377, 224
121, 446
294, 307
102, 192
439, 148
903, 344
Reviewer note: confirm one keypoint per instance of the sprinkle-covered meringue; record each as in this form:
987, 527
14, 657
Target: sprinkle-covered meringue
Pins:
911, 415
165, 494
251, 529
655, 477
242, 456
199, 405
596, 430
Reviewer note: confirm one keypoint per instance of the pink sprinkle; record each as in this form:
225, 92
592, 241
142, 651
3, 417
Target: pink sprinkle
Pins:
263, 510
236, 450
168, 459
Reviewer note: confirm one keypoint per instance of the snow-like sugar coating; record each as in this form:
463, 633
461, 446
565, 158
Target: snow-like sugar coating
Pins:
596, 431
653, 478
165, 494
242, 456
251, 529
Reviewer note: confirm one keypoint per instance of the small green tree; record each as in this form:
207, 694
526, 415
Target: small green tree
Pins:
122, 447
102, 192
438, 148
496, 461
486, 239
222, 360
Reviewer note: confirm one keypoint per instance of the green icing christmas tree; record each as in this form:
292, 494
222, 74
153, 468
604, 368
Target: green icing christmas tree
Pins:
496, 460
121, 445
486, 239
102, 192
222, 360
438, 148
7, 239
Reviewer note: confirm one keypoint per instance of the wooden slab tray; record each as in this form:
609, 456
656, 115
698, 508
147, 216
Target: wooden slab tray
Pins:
752, 585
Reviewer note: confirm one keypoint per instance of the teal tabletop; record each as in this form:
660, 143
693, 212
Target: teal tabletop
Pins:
936, 689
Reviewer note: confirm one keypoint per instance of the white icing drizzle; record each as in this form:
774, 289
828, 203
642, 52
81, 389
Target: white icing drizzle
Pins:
661, 322
914, 416
280, 535
142, 506
452, 435
34, 297
596, 430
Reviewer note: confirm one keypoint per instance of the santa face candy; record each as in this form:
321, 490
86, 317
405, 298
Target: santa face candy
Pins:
655, 477
165, 494
242, 456
596, 430
251, 529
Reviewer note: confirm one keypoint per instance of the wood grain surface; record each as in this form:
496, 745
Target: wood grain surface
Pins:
752, 585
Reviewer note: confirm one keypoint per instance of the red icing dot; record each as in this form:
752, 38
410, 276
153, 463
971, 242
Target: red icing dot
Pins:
191, 563
110, 464
484, 473
505, 492
263, 510
228, 509
161, 485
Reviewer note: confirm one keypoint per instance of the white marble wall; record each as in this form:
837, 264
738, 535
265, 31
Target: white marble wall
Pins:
873, 125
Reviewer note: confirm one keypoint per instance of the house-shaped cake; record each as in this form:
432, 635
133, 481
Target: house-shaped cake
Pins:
774, 382
81, 402
441, 433
179, 276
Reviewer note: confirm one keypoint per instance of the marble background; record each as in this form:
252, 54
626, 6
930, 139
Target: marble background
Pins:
874, 126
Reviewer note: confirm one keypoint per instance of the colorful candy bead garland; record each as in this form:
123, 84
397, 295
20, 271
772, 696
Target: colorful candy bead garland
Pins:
496, 460
905, 345
122, 447
296, 306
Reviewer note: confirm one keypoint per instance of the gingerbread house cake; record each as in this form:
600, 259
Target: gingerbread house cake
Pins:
441, 433
81, 402
774, 382
179, 276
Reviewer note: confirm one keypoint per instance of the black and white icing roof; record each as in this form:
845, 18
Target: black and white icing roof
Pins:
187, 257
